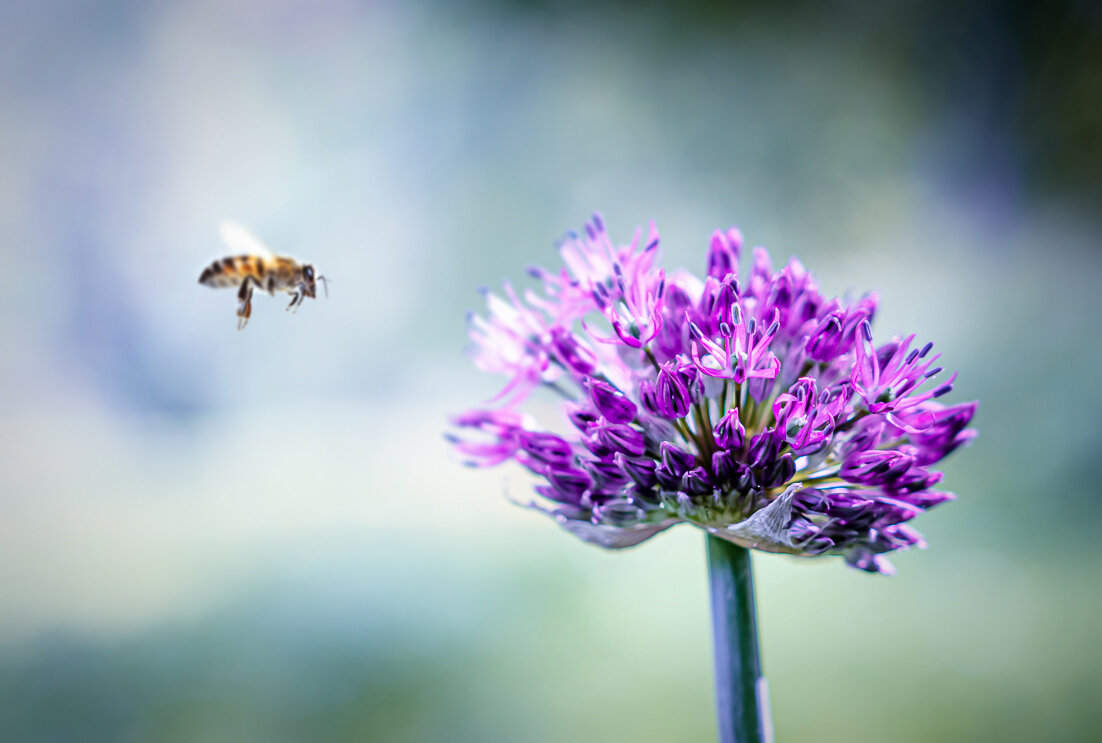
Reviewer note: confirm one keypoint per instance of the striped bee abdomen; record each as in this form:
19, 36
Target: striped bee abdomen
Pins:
232, 270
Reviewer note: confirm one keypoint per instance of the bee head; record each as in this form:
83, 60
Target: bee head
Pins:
310, 282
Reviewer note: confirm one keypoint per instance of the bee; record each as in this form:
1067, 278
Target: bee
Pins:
258, 268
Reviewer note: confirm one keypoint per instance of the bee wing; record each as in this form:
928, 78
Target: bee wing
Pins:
240, 240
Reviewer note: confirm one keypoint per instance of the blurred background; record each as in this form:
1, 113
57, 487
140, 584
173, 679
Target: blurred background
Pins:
213, 535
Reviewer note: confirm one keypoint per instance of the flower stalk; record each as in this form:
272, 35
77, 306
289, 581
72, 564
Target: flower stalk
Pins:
742, 701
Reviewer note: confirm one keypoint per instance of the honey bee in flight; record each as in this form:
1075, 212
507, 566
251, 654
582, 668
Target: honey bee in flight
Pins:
258, 268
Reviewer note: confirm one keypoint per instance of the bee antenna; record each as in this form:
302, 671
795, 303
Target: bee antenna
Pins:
325, 283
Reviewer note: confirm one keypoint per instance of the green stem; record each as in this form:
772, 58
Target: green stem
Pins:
742, 701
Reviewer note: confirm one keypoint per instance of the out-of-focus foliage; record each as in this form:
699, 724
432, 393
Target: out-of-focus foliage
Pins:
259, 536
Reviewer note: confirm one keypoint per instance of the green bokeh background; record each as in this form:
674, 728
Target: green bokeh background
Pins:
208, 535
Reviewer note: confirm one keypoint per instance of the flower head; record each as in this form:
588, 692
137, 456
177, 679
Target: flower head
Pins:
750, 406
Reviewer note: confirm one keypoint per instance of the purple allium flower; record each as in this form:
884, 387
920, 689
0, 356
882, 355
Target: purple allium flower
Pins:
750, 406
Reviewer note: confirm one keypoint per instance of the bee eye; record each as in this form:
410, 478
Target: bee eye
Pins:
309, 271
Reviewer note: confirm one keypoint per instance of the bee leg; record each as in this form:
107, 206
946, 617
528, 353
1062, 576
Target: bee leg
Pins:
301, 296
245, 305
294, 300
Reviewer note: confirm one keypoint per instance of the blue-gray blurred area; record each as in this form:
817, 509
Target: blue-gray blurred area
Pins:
213, 535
